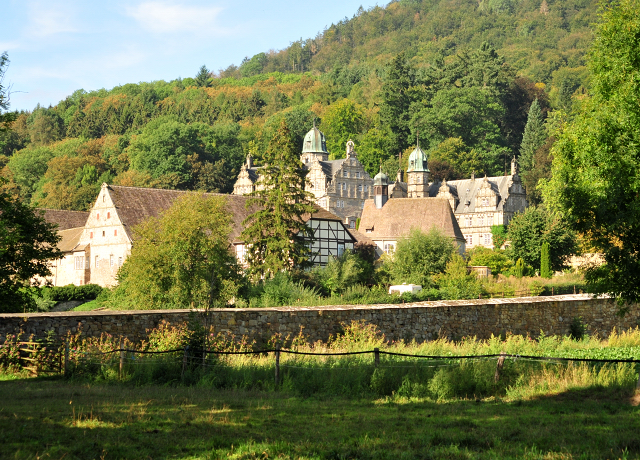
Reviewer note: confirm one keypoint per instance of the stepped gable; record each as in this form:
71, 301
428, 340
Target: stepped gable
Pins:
64, 219
467, 190
397, 217
136, 204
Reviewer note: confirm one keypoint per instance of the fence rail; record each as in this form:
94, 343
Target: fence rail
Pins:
58, 362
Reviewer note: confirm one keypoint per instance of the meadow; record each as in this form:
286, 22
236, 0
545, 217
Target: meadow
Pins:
326, 407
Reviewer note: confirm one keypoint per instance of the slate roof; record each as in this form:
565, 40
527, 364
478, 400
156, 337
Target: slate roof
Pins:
398, 216
65, 219
467, 189
331, 167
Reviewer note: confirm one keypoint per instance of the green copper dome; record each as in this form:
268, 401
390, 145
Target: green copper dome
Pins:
381, 179
417, 161
314, 142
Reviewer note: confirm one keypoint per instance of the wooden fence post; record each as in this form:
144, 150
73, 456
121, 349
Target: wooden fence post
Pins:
121, 357
496, 378
638, 384
66, 357
277, 365
376, 356
184, 360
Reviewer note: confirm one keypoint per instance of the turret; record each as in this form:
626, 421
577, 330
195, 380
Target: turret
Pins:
380, 189
314, 146
418, 174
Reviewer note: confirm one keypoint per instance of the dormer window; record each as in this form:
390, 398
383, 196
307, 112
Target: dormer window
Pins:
345, 174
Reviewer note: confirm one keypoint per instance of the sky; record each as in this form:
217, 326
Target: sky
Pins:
57, 47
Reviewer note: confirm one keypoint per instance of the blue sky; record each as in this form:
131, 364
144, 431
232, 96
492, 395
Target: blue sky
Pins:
56, 47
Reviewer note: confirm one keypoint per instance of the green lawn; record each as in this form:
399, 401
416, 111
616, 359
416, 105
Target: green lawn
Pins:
56, 419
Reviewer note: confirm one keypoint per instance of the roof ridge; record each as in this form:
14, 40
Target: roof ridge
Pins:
65, 210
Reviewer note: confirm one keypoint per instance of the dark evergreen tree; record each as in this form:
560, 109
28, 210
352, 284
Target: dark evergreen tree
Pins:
396, 100
534, 137
203, 77
545, 261
276, 235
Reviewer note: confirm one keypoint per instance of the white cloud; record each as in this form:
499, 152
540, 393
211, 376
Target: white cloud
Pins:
47, 19
169, 17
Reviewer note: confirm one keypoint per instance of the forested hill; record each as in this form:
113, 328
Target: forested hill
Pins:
464, 74
536, 37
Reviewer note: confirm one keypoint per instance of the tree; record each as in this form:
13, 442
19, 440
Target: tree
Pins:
276, 235
595, 170
342, 121
495, 259
181, 259
456, 282
420, 256
396, 100
203, 77
6, 118
27, 244
536, 225
534, 136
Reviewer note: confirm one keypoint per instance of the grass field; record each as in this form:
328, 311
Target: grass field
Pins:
55, 419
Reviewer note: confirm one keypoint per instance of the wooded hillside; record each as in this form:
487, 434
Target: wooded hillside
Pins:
462, 73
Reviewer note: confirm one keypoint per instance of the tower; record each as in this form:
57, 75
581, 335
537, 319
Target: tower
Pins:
314, 146
417, 174
380, 189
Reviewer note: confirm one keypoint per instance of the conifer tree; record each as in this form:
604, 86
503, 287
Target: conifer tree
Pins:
545, 261
533, 138
202, 78
276, 235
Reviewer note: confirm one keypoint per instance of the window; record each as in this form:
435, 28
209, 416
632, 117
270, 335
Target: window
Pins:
345, 174
87, 263
344, 186
352, 224
468, 222
79, 262
103, 233
96, 261
365, 188
111, 261
119, 261
481, 220
115, 232
340, 249
98, 215
91, 235
488, 239
108, 215
103, 198
359, 187
469, 239
389, 248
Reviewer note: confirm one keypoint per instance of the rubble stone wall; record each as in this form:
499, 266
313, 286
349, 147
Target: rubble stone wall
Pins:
421, 320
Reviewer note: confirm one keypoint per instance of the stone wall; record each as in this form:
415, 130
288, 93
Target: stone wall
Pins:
421, 320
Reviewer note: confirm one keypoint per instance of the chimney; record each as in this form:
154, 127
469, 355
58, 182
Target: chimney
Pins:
400, 175
514, 166
249, 161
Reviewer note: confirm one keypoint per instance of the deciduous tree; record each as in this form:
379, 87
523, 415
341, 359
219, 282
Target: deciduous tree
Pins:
596, 166
181, 259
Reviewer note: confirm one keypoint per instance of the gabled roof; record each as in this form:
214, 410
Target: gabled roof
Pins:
398, 216
136, 204
69, 239
331, 167
65, 219
467, 189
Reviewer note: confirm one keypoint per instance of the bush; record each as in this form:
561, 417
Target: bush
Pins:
71, 292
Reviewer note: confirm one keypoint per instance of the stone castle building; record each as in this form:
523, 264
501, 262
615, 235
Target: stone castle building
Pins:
477, 205
339, 186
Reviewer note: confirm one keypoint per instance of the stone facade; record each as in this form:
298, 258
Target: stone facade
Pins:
339, 186
421, 321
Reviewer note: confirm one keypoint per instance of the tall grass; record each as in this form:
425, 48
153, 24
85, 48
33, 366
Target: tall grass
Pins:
355, 375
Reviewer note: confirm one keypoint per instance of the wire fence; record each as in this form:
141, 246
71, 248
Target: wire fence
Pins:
46, 357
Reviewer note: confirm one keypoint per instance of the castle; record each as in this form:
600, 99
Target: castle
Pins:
342, 187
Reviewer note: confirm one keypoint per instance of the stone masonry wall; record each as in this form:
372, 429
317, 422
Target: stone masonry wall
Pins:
422, 320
